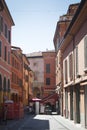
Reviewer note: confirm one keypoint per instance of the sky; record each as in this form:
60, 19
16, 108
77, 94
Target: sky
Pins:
35, 22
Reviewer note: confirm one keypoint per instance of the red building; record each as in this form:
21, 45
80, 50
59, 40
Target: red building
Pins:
17, 74
6, 22
49, 78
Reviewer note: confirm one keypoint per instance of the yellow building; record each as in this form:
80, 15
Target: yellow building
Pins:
27, 81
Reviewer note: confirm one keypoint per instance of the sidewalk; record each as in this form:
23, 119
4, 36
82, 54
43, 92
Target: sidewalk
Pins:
70, 125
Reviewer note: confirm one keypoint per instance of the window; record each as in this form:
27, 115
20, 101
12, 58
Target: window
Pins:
20, 82
8, 57
0, 48
6, 31
12, 61
9, 36
47, 68
71, 66
47, 81
66, 72
85, 52
4, 84
1, 24
76, 60
8, 85
5, 53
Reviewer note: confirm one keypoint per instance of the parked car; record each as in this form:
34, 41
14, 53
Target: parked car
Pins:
48, 110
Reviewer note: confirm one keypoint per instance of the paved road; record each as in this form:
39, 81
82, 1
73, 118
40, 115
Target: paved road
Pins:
38, 122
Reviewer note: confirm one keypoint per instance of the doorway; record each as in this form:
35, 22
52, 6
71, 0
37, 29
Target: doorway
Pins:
77, 104
85, 106
71, 103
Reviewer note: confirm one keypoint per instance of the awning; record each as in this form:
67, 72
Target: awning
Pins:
35, 100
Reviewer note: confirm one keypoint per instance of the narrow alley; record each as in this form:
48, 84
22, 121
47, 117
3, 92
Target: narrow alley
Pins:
41, 122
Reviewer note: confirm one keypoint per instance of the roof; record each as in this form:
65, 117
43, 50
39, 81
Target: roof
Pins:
76, 22
65, 18
34, 54
75, 16
7, 10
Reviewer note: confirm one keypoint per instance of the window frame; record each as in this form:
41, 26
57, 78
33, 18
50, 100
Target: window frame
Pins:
48, 81
66, 71
71, 66
47, 68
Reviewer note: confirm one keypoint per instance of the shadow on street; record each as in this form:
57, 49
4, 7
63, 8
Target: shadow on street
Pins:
29, 122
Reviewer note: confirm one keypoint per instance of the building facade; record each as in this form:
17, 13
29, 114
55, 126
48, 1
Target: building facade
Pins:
16, 74
49, 72
74, 58
49, 96
37, 66
6, 22
43, 66
74, 67
61, 28
27, 81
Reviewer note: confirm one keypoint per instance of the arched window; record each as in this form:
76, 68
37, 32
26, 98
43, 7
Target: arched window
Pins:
8, 85
0, 82
4, 84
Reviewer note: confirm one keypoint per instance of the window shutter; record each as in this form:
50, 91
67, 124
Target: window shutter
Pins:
76, 60
71, 67
1, 24
66, 71
85, 51
47, 68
